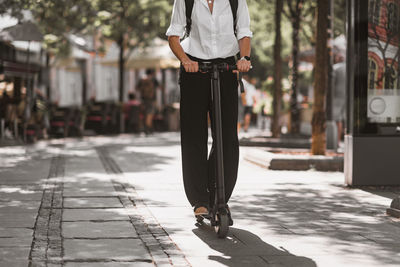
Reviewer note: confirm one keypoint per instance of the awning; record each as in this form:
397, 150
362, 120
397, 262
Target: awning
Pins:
15, 69
156, 55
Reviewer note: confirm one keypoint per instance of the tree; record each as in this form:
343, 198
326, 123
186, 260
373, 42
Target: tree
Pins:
318, 146
131, 24
15, 8
277, 70
295, 9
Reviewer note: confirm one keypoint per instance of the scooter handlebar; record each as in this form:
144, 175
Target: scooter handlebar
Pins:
206, 67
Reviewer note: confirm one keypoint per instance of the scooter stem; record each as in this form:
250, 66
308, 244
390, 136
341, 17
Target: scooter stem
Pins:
216, 97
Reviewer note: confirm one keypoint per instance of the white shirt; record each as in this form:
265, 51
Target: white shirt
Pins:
211, 35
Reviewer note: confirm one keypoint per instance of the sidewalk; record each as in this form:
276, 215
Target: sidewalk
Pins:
119, 201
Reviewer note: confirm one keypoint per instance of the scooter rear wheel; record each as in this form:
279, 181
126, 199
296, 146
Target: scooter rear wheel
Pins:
222, 227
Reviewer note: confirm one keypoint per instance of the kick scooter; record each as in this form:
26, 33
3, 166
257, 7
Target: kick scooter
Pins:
218, 216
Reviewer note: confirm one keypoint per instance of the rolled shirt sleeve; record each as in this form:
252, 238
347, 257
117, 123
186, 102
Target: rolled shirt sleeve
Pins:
243, 21
178, 20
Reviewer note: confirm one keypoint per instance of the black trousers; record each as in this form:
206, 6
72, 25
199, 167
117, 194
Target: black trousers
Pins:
198, 167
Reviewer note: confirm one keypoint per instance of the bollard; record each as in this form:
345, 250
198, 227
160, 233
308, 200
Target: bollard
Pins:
16, 129
2, 129
394, 209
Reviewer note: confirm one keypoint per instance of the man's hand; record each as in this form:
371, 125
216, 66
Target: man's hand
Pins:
190, 65
243, 65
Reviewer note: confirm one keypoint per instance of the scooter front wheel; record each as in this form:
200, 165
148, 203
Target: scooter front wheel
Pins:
199, 219
222, 227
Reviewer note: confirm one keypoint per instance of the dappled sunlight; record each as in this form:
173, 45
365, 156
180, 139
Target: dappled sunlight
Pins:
19, 205
90, 179
16, 190
12, 162
12, 151
93, 175
12, 156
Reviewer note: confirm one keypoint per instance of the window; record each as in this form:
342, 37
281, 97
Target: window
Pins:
374, 11
372, 74
393, 17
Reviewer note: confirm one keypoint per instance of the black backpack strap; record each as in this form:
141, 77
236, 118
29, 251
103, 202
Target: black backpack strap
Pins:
189, 8
234, 7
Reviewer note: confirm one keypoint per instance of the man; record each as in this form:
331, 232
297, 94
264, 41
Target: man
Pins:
147, 87
339, 94
251, 92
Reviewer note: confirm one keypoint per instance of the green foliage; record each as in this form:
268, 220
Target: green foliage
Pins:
14, 7
141, 20
262, 25
340, 17
137, 21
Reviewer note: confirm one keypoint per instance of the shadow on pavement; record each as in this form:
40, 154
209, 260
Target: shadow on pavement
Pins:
349, 221
242, 248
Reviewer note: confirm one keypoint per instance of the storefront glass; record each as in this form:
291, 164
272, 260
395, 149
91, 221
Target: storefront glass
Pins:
383, 65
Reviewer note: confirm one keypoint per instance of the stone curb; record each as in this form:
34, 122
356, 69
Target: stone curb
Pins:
294, 163
276, 142
325, 164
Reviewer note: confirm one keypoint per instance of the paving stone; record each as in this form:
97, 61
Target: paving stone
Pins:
109, 264
89, 191
110, 249
22, 195
96, 214
15, 232
94, 202
15, 252
30, 215
98, 229
16, 241
14, 262
18, 222
77, 185
291, 260
223, 261
24, 207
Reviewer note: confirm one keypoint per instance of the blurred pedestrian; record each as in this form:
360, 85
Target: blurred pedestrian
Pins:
251, 98
132, 113
263, 110
339, 94
4, 102
213, 35
41, 114
241, 104
147, 87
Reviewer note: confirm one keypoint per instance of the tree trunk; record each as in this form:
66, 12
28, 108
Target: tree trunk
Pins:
276, 128
121, 82
48, 71
294, 107
321, 81
331, 57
